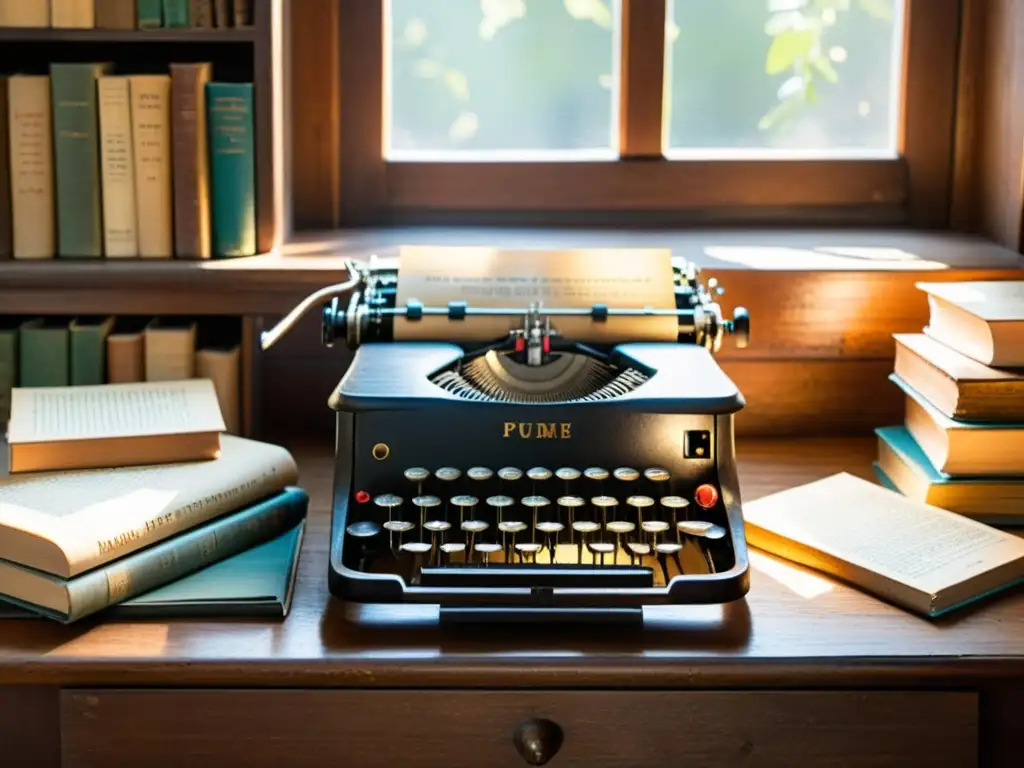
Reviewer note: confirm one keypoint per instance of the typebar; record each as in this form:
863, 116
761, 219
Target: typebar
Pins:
566, 577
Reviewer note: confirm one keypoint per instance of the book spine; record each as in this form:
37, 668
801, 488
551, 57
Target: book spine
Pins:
233, 172
72, 14
201, 13
193, 506
88, 346
25, 14
191, 160
151, 134
125, 359
44, 357
242, 12
117, 159
186, 553
176, 13
6, 212
170, 353
222, 13
222, 367
76, 142
8, 373
150, 14
115, 14
32, 195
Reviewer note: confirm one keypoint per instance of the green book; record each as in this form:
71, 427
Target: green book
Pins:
8, 367
88, 345
76, 151
43, 359
150, 14
258, 583
176, 13
232, 168
148, 569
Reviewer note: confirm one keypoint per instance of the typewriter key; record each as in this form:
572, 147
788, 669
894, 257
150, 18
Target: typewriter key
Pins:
513, 527
654, 527
416, 475
424, 503
538, 473
510, 473
604, 503
675, 503
435, 527
601, 548
551, 531
664, 550
364, 529
570, 503
584, 527
448, 474
418, 549
399, 527
694, 527
450, 549
640, 503
479, 473
473, 527
657, 474
388, 500
487, 549
637, 550
528, 548
535, 503
619, 527
462, 502
499, 503
568, 474
596, 473
626, 474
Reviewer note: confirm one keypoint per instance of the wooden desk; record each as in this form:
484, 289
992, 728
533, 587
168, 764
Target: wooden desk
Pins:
803, 672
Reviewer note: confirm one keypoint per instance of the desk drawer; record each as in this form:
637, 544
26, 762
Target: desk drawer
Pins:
478, 728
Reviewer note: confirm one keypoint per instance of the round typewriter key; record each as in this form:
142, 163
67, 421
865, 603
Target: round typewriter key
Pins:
626, 474
664, 550
511, 526
475, 526
479, 473
363, 529
715, 532
570, 501
567, 474
620, 526
657, 474
416, 474
387, 500
601, 548
596, 473
464, 501
604, 501
510, 473
585, 526
487, 549
529, 548
654, 526
694, 527
453, 546
398, 526
638, 548
437, 526
538, 473
535, 501
674, 502
549, 527
416, 547
426, 501
640, 502
667, 548
448, 474
706, 495
500, 501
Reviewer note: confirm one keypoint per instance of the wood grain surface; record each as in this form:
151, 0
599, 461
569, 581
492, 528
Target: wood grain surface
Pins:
794, 628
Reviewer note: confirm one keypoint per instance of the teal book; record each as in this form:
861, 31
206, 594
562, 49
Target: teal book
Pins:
77, 158
148, 569
232, 168
150, 14
176, 13
43, 355
256, 584
88, 348
997, 500
8, 367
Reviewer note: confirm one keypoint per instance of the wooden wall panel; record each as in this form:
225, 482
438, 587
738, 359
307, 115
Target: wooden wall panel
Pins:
29, 727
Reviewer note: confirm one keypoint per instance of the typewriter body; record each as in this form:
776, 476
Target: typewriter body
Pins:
532, 476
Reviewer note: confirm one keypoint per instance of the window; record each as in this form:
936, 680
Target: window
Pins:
746, 109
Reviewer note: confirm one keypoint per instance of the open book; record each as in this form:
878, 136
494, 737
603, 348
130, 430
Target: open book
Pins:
920, 557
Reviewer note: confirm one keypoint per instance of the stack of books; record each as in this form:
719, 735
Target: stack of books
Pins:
131, 498
961, 446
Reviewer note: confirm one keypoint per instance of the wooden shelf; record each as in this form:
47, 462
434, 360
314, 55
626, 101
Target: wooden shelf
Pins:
172, 35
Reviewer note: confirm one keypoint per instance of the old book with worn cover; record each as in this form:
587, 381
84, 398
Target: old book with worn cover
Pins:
982, 319
958, 386
69, 600
113, 425
67, 523
923, 558
191, 160
6, 213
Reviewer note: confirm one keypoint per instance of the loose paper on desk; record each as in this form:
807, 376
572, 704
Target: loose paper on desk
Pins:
577, 279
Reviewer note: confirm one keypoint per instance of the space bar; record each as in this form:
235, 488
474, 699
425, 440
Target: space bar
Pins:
568, 576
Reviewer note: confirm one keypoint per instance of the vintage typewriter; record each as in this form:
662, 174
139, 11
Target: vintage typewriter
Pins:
532, 476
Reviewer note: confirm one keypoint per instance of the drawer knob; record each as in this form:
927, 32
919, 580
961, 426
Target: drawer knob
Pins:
537, 741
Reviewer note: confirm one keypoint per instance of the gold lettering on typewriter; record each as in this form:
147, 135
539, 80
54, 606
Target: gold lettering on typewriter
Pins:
539, 430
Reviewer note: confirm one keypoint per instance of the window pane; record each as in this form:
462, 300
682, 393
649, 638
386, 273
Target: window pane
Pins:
783, 77
501, 79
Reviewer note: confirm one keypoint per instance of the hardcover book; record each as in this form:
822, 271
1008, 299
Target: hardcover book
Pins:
68, 522
981, 319
33, 207
233, 170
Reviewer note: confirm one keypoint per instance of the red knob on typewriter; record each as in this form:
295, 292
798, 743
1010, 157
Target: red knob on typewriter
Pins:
362, 497
706, 495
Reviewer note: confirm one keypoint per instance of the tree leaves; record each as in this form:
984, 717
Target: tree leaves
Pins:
593, 10
788, 47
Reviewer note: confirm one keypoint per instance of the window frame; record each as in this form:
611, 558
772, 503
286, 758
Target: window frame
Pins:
913, 188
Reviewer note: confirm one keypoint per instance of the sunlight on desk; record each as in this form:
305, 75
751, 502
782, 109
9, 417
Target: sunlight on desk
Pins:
798, 581
838, 257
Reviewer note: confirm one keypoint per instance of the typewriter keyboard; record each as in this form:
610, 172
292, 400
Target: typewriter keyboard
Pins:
638, 524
